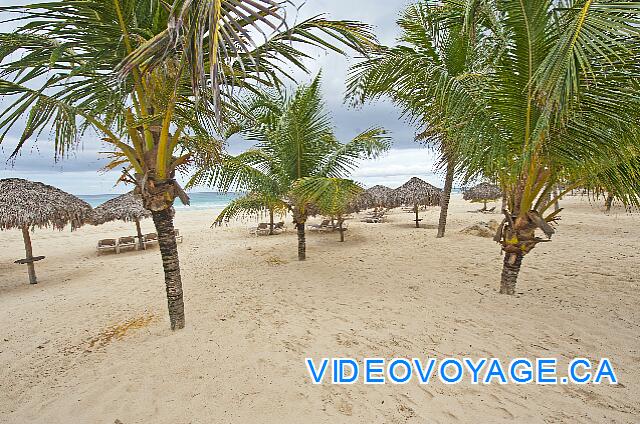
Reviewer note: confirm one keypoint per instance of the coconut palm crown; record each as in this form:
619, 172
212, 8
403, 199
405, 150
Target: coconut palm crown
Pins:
294, 139
558, 101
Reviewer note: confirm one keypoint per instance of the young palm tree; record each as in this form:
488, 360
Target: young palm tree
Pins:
433, 52
332, 196
134, 70
294, 140
558, 103
253, 203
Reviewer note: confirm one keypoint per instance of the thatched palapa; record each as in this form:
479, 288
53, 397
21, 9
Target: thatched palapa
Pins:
381, 195
127, 207
483, 192
26, 205
32, 204
363, 201
417, 192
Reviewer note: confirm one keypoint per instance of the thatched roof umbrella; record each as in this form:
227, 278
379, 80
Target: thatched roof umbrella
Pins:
362, 202
26, 204
375, 196
417, 192
126, 207
381, 195
483, 192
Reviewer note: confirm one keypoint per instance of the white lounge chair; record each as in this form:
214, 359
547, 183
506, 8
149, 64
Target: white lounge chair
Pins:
106, 245
125, 243
279, 227
150, 239
322, 226
260, 230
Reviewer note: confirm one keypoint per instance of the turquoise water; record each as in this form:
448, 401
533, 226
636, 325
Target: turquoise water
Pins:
199, 201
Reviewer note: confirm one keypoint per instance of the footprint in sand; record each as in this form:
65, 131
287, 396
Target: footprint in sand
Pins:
344, 340
344, 407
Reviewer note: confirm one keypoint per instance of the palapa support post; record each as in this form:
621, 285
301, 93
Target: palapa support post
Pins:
29, 255
415, 209
141, 244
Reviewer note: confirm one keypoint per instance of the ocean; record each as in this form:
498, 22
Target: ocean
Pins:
199, 200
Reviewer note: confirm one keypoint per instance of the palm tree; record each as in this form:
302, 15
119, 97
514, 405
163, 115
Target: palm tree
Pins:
134, 70
559, 102
253, 203
433, 52
294, 140
332, 196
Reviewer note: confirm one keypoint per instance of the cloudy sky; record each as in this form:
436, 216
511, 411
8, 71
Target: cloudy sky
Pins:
79, 173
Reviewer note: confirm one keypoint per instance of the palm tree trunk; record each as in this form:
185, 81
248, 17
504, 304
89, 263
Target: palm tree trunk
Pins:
608, 203
510, 271
270, 222
29, 255
556, 205
446, 197
302, 243
341, 230
140, 238
163, 221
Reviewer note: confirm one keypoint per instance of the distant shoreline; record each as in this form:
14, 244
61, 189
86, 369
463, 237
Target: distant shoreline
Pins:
199, 200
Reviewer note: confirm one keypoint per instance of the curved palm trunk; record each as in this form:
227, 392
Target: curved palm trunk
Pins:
29, 255
446, 198
302, 243
270, 222
517, 235
163, 221
510, 271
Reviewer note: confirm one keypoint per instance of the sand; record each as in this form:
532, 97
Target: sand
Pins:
90, 343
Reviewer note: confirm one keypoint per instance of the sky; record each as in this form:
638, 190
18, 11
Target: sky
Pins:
79, 173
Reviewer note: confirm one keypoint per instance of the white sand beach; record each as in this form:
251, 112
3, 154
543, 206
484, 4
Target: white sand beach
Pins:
91, 342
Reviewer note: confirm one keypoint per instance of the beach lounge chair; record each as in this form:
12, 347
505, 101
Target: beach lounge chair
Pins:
107, 244
125, 243
336, 227
178, 236
150, 239
261, 230
321, 226
372, 219
279, 227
